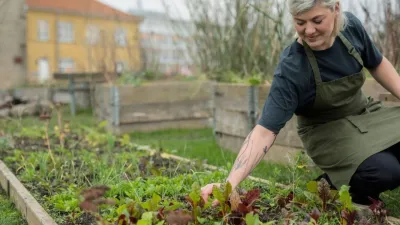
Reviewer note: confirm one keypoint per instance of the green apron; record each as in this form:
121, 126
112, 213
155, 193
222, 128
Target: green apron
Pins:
344, 126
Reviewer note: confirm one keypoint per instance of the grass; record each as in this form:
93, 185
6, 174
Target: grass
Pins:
83, 117
9, 215
200, 144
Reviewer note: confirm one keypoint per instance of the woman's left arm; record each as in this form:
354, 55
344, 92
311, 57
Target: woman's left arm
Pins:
387, 76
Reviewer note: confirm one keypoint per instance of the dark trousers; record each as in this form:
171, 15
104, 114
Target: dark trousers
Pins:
378, 173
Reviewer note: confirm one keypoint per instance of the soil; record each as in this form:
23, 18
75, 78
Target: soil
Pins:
29, 144
83, 219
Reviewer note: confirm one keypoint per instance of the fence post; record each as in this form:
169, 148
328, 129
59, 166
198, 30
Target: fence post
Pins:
71, 89
115, 105
213, 106
253, 104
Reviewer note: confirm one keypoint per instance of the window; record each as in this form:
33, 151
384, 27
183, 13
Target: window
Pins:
66, 65
120, 36
43, 30
92, 34
65, 32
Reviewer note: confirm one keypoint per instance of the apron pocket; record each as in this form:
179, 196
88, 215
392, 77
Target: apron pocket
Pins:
360, 122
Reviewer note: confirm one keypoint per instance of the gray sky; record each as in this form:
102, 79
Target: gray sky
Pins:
157, 5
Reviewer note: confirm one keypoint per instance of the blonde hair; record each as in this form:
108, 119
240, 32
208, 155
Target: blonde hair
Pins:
300, 6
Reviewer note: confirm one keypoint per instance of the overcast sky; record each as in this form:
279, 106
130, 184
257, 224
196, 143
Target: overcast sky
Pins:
157, 5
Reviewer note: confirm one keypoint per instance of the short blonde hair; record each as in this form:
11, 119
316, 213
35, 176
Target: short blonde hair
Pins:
300, 6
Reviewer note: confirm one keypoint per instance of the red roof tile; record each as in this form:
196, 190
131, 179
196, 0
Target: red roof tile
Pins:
90, 7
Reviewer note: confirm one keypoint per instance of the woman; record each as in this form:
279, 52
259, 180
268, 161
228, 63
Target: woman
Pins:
352, 138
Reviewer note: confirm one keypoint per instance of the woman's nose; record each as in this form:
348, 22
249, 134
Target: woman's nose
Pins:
310, 29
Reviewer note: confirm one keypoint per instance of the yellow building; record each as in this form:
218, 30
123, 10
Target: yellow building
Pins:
79, 36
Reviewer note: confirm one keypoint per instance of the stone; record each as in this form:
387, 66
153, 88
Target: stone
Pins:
29, 109
4, 113
45, 106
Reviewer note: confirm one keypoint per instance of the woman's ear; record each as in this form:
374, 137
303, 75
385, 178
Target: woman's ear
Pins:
337, 8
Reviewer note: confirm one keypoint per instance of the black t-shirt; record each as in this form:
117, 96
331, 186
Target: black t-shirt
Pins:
293, 85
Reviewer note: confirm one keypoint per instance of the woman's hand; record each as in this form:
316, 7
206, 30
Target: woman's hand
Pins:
207, 190
254, 148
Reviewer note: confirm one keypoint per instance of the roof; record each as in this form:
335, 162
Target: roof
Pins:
148, 13
157, 15
87, 7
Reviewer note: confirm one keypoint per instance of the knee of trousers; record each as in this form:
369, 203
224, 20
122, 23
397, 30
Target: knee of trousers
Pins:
389, 179
379, 179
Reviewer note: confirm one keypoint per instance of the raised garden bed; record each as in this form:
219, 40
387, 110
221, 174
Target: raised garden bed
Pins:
152, 106
74, 171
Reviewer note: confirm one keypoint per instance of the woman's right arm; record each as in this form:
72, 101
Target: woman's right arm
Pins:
256, 145
280, 105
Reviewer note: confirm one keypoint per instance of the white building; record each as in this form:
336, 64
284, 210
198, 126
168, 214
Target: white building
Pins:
166, 43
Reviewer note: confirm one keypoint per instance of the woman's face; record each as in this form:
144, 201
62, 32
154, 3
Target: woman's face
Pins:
316, 26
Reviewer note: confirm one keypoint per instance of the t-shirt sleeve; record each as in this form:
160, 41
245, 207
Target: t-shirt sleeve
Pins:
370, 54
282, 100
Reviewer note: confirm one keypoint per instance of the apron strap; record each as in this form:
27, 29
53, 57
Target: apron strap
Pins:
313, 62
351, 49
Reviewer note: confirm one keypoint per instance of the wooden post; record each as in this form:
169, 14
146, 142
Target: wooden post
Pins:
71, 89
213, 106
115, 105
253, 103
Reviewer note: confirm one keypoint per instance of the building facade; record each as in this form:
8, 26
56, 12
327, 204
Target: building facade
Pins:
79, 36
166, 43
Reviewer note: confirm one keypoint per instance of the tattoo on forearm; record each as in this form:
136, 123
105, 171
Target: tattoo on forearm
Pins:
265, 149
259, 157
244, 157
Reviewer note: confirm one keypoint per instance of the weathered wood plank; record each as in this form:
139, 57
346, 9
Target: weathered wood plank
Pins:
161, 125
30, 209
148, 112
234, 97
161, 93
388, 97
373, 88
95, 77
288, 135
263, 92
102, 102
231, 122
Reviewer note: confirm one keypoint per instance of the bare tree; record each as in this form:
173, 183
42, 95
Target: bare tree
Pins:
238, 38
384, 27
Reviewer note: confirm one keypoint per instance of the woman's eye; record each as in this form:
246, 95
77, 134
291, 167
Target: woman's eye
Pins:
300, 23
318, 22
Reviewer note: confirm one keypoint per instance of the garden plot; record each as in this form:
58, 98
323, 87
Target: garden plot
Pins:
84, 175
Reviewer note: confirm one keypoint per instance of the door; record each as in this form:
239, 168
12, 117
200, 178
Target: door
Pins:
119, 67
44, 72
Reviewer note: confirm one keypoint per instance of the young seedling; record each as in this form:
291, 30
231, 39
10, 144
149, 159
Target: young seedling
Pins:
347, 212
222, 195
197, 203
93, 198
